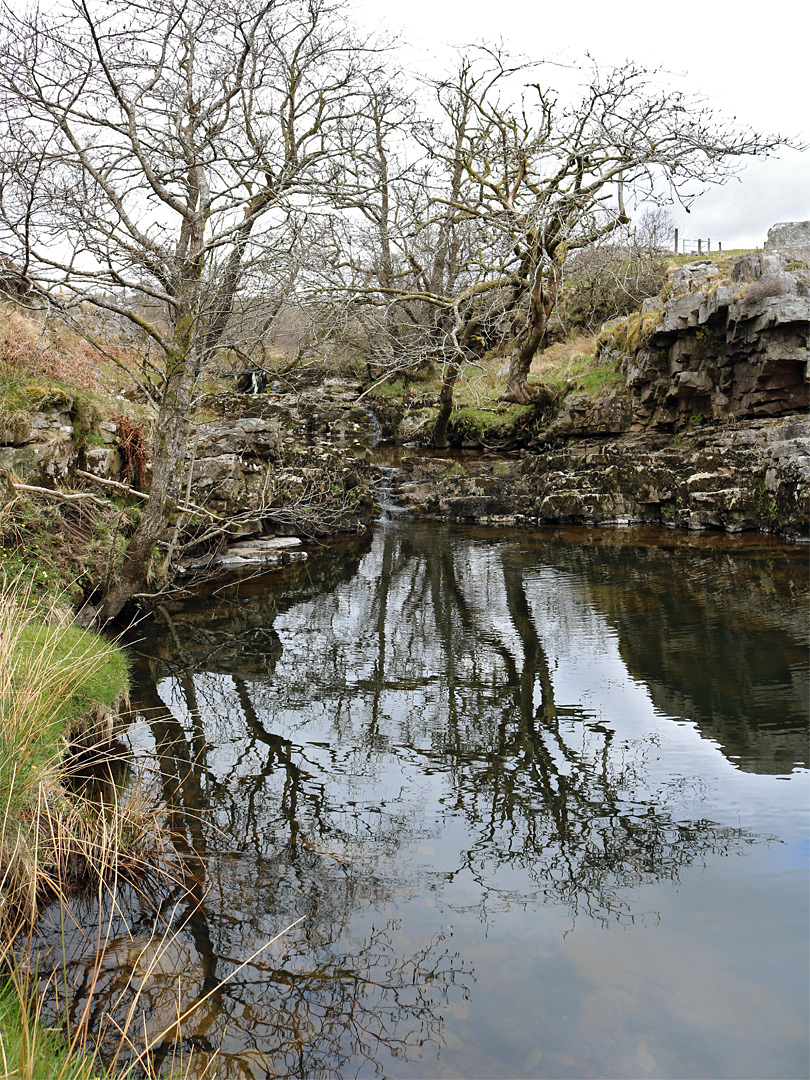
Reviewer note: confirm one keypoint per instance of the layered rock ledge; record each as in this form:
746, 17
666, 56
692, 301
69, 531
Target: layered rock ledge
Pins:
752, 474
737, 349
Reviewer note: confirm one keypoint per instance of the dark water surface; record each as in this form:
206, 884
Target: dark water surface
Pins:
541, 799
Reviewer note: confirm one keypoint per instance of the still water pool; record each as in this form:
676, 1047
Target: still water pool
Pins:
539, 800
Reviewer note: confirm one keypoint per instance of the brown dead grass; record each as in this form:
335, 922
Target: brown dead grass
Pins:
564, 359
31, 347
27, 348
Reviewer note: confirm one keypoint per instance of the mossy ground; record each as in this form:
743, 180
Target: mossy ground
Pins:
630, 334
567, 366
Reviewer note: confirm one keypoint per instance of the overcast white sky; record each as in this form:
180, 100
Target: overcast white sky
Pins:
747, 62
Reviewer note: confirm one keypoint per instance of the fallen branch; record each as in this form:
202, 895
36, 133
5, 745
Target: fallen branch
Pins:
66, 496
113, 484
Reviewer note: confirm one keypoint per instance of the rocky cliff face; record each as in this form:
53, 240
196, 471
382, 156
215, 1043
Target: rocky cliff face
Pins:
737, 349
265, 473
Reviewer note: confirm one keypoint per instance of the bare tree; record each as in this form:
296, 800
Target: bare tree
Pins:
416, 270
154, 157
530, 177
554, 177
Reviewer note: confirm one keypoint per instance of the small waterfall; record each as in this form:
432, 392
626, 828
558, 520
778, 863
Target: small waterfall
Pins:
376, 428
390, 510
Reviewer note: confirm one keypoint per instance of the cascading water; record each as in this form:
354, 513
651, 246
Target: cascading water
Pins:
390, 510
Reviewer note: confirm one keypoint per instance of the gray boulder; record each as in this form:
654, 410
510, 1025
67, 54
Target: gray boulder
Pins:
789, 236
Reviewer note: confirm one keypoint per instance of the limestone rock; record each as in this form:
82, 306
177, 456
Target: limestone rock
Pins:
789, 236
262, 552
103, 461
753, 266
732, 350
752, 474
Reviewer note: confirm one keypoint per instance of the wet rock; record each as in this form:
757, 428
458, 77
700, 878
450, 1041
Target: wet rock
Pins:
748, 475
264, 552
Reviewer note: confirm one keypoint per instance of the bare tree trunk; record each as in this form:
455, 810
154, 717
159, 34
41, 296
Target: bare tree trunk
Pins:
541, 305
517, 381
451, 372
168, 461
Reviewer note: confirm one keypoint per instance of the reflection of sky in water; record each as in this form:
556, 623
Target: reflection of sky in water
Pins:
662, 932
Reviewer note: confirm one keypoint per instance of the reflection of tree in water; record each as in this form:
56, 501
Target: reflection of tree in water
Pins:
323, 995
545, 788
317, 1002
290, 707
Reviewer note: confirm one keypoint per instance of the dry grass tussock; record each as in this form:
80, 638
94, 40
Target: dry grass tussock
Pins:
564, 359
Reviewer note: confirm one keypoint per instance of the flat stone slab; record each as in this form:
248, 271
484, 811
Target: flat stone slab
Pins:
271, 551
260, 547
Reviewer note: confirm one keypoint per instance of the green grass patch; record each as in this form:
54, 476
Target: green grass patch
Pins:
717, 257
490, 424
571, 366
28, 1049
55, 678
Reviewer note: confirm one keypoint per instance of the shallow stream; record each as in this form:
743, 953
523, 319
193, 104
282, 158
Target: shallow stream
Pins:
539, 799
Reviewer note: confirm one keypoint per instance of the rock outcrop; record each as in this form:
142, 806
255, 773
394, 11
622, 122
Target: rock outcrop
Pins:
789, 237
737, 349
754, 474
44, 445
263, 476
266, 473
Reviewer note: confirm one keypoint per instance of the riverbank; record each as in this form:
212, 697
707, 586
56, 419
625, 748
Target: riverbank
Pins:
68, 826
690, 413
750, 475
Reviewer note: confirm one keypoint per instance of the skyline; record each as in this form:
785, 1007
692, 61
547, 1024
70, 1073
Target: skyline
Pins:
747, 74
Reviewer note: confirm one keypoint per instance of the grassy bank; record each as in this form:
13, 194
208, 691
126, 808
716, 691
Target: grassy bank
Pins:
58, 683
31, 1051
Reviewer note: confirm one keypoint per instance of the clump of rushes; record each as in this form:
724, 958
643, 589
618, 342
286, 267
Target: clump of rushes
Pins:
62, 685
57, 680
